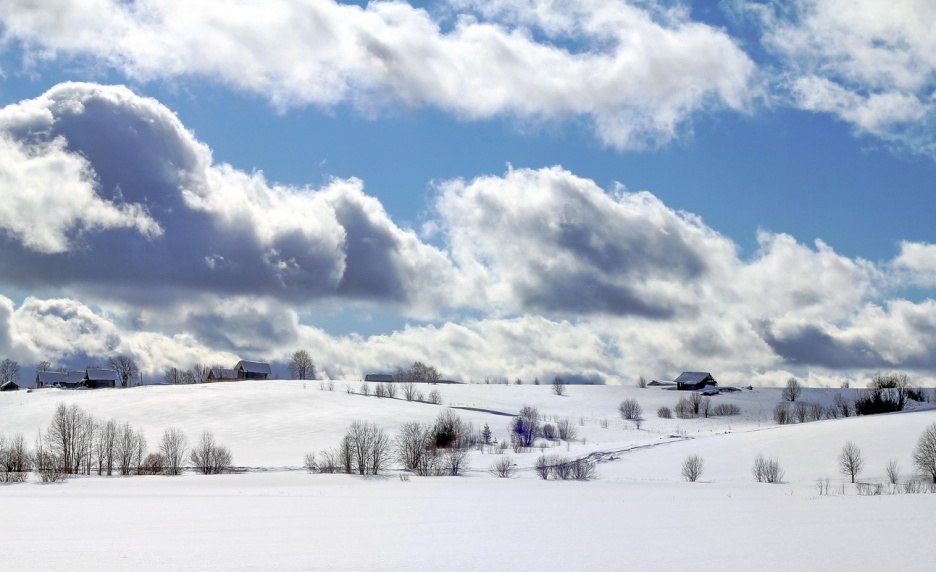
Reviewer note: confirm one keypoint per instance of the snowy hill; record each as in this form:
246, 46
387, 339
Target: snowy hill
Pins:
628, 518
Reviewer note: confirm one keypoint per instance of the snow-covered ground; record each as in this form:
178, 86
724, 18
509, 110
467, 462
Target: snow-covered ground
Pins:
638, 514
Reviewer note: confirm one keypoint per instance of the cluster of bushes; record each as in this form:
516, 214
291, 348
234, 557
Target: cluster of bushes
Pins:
77, 443
407, 390
564, 469
527, 426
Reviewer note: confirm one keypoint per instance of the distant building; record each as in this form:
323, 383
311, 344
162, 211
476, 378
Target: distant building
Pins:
61, 379
252, 370
693, 380
221, 374
379, 377
97, 378
9, 386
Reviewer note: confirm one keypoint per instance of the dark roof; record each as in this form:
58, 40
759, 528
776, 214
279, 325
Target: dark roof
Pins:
96, 374
50, 377
223, 373
9, 386
693, 377
378, 377
253, 366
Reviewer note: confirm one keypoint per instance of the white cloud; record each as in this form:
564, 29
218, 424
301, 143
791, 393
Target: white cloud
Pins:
917, 262
637, 73
869, 63
200, 227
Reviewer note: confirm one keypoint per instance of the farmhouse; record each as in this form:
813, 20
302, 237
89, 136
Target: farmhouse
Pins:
63, 379
252, 370
96, 378
221, 374
692, 380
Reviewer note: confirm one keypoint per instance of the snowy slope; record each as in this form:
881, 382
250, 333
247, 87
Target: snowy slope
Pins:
638, 514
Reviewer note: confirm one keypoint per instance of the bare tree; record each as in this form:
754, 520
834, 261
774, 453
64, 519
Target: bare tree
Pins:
14, 460
525, 427
558, 386
924, 455
792, 390
173, 447
567, 430
370, 447
172, 376
892, 470
412, 445
200, 372
126, 368
209, 457
454, 460
843, 405
409, 390
641, 382
9, 371
68, 437
104, 447
301, 365
504, 468
692, 468
129, 449
850, 460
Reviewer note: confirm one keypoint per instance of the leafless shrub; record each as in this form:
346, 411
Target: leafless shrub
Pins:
329, 385
850, 460
413, 445
409, 391
792, 389
583, 470
153, 464
435, 397
558, 386
370, 447
210, 458
641, 382
567, 431
48, 466
549, 431
542, 467
364, 389
781, 414
504, 468
379, 391
869, 489
14, 460
454, 461
630, 409
326, 461
892, 470
603, 423
767, 470
173, 445
924, 455
129, 449
390, 390
696, 400
800, 412
912, 486
309, 463
726, 410
684, 409
822, 487
843, 405
816, 411
665, 413
692, 468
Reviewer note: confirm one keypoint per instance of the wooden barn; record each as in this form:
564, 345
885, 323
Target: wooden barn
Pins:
96, 378
62, 379
693, 380
221, 374
252, 370
379, 377
9, 386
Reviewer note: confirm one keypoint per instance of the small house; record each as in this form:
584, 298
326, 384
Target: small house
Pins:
379, 377
252, 370
221, 374
95, 378
694, 380
9, 386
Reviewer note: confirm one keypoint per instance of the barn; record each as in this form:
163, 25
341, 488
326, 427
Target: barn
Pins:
9, 386
97, 378
221, 374
252, 370
693, 380
63, 379
379, 377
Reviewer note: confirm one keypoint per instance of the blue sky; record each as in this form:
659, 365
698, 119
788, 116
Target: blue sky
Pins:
754, 131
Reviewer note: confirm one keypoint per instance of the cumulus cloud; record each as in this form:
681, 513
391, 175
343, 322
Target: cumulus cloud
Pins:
870, 64
636, 71
917, 263
548, 241
108, 192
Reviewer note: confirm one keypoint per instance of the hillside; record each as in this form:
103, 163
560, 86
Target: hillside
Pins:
628, 518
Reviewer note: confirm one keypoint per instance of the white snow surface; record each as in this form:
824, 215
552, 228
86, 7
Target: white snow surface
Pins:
637, 515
